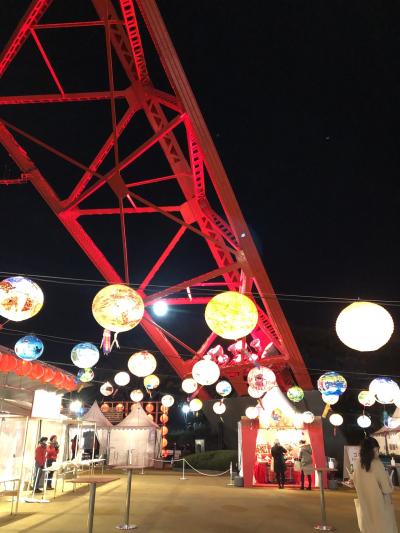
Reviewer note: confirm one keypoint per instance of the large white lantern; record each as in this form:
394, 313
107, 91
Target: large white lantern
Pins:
142, 364
364, 326
366, 398
251, 413
336, 419
85, 355
364, 421
206, 372
106, 389
189, 385
223, 388
261, 378
118, 308
167, 400
195, 405
20, 298
219, 408
308, 417
136, 395
384, 389
255, 393
122, 378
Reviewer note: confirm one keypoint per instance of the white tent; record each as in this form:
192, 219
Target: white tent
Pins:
135, 440
103, 426
389, 436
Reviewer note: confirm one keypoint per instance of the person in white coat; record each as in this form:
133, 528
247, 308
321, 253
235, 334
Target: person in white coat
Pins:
375, 512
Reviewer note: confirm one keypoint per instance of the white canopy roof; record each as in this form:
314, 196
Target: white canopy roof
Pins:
95, 415
137, 418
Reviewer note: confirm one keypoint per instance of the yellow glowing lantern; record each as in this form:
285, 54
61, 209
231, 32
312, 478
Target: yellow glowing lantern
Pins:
149, 407
164, 409
119, 408
364, 326
142, 364
164, 419
20, 298
164, 443
231, 315
151, 382
118, 308
105, 408
195, 405
164, 431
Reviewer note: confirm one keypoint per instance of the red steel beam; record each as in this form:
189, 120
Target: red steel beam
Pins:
127, 210
132, 29
47, 61
59, 98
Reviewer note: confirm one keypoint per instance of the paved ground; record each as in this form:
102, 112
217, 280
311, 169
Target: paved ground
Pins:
162, 503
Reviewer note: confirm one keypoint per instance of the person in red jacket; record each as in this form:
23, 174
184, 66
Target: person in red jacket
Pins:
52, 452
40, 462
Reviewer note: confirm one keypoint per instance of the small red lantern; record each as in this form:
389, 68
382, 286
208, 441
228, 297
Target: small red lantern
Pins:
58, 379
164, 431
23, 367
119, 408
164, 443
164, 409
36, 371
164, 419
149, 407
48, 375
8, 363
105, 408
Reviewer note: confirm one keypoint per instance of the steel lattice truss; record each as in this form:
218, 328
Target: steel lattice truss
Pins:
208, 207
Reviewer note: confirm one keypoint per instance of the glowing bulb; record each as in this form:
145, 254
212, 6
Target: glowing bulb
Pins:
160, 308
75, 406
185, 408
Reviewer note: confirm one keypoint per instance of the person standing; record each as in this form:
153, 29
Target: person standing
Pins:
278, 453
52, 452
40, 461
306, 463
375, 512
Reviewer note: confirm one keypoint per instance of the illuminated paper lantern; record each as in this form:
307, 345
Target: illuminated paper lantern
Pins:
219, 408
75, 406
384, 389
364, 326
142, 364
85, 375
164, 409
106, 389
295, 394
29, 348
164, 442
223, 388
330, 399
332, 384
364, 421
149, 407
255, 393
119, 407
85, 355
164, 431
189, 385
118, 308
167, 400
105, 408
366, 398
308, 417
136, 395
164, 419
122, 378
206, 372
252, 413
261, 378
195, 405
231, 315
336, 419
20, 298
151, 382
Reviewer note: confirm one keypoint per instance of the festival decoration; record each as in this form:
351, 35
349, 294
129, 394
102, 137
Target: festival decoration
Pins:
308, 417
151, 382
36, 371
261, 378
251, 412
231, 315
384, 389
330, 399
164, 409
106, 389
295, 394
219, 408
332, 384
164, 431
364, 421
118, 308
119, 407
149, 407
85, 355
164, 419
142, 364
195, 405
136, 395
75, 406
164, 443
20, 298
366, 398
206, 372
364, 326
336, 419
122, 378
223, 388
167, 400
185, 409
29, 348
85, 375
105, 408
255, 393
23, 368
189, 385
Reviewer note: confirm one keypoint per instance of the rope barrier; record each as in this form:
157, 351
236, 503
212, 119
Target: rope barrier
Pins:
204, 474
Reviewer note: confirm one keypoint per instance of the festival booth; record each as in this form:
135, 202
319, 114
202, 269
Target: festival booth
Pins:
97, 435
278, 420
389, 436
135, 440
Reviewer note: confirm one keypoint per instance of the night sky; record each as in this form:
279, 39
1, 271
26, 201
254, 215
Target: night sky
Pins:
302, 102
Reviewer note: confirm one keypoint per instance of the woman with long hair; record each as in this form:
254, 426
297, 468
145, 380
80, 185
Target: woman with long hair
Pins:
374, 506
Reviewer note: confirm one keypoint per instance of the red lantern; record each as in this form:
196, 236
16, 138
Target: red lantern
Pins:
164, 419
149, 407
36, 371
70, 384
164, 443
8, 363
23, 367
58, 379
164, 431
119, 408
164, 409
48, 375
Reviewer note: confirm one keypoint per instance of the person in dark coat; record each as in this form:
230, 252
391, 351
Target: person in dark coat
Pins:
306, 463
40, 461
278, 453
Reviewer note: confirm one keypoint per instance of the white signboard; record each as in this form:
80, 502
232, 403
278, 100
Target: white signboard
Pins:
46, 405
351, 456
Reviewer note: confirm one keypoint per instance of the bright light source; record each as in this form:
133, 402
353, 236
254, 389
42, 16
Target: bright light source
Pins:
185, 408
160, 308
75, 406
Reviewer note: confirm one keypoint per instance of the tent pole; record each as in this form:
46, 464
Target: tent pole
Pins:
21, 476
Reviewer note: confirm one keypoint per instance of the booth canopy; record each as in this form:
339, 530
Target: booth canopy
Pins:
95, 415
137, 418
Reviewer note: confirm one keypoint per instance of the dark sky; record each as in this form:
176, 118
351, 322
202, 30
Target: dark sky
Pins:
302, 101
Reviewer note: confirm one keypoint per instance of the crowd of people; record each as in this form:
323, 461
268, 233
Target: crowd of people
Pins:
45, 455
278, 454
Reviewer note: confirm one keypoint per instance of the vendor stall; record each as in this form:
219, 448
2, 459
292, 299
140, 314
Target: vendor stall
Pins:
389, 435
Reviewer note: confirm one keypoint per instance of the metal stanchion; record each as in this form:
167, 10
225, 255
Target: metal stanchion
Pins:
92, 498
127, 525
323, 526
231, 483
183, 478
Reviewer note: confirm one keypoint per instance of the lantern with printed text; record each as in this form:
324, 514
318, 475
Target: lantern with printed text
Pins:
118, 308
85, 355
20, 298
261, 378
142, 364
255, 393
231, 315
332, 384
29, 348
